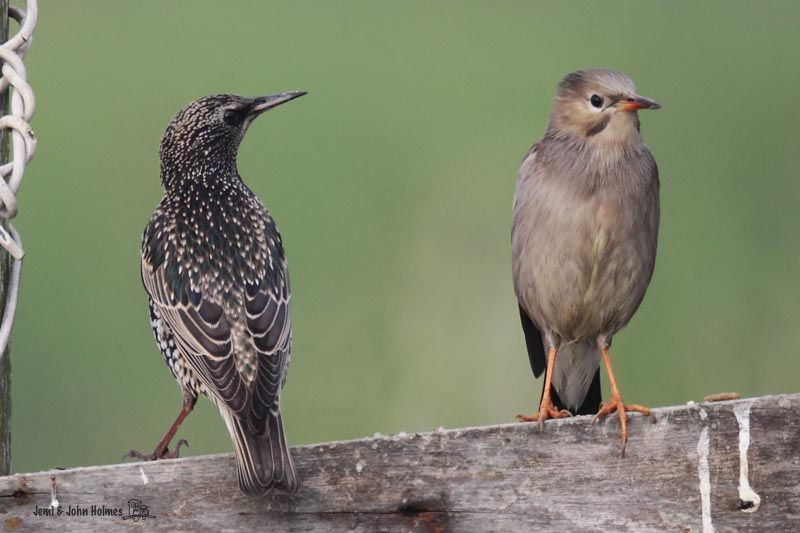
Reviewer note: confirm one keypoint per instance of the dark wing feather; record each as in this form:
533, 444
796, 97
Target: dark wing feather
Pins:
533, 341
270, 328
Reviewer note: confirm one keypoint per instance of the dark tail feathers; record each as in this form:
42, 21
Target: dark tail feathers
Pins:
262, 461
590, 405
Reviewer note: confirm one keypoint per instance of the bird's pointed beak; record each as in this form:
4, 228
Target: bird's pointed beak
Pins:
264, 103
636, 102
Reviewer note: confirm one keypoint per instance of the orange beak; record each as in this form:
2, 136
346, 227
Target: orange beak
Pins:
636, 102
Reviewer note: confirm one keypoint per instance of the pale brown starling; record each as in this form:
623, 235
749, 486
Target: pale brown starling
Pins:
584, 232
214, 268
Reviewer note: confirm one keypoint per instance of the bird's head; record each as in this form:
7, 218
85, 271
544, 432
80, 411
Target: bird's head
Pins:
207, 132
598, 106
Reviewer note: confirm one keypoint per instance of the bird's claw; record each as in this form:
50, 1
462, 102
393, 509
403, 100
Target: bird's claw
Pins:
158, 453
545, 412
174, 454
139, 455
615, 403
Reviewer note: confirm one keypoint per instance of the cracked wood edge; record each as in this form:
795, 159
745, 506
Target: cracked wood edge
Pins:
508, 477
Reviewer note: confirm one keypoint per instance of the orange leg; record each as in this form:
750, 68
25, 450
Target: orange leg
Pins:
162, 448
546, 408
615, 402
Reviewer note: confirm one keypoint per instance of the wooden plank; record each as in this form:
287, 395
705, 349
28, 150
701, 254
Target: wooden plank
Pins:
500, 478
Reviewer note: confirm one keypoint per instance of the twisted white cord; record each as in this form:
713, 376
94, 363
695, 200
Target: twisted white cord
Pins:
11, 299
23, 104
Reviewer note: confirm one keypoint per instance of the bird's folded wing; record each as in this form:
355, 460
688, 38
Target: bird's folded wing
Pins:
269, 326
203, 335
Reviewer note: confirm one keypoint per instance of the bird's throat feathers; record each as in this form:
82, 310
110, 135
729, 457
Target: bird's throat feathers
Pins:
588, 167
589, 156
184, 159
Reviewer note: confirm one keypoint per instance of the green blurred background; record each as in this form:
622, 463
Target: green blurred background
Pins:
391, 183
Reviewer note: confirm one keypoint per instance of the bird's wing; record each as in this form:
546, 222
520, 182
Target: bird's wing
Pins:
533, 342
520, 245
269, 328
240, 361
203, 335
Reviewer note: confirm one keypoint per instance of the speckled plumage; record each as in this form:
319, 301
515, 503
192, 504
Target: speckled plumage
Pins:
214, 268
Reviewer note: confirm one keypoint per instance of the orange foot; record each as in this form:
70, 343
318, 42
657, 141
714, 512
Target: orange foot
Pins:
546, 410
615, 403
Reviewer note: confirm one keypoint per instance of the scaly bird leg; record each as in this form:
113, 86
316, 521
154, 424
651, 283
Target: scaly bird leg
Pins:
615, 403
546, 408
162, 448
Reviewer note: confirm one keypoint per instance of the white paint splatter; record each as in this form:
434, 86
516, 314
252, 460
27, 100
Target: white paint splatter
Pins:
749, 499
705, 478
360, 466
53, 493
144, 476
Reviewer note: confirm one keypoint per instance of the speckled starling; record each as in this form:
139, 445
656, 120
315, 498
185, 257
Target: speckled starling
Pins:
214, 268
585, 226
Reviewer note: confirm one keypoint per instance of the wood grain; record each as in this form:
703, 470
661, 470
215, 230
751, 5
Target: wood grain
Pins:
499, 478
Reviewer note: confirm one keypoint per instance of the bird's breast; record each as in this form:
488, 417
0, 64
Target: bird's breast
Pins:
582, 262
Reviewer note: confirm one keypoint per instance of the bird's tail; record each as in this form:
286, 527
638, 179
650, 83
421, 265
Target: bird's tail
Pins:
576, 379
262, 461
591, 403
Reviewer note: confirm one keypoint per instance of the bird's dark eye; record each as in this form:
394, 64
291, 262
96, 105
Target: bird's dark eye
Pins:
596, 101
234, 117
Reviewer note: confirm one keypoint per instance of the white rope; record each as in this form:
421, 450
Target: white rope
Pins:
23, 104
11, 299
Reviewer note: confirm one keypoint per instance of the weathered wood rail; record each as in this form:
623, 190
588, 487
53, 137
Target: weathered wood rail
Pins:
682, 473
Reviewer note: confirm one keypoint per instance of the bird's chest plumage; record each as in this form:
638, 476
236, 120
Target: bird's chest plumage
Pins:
585, 257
